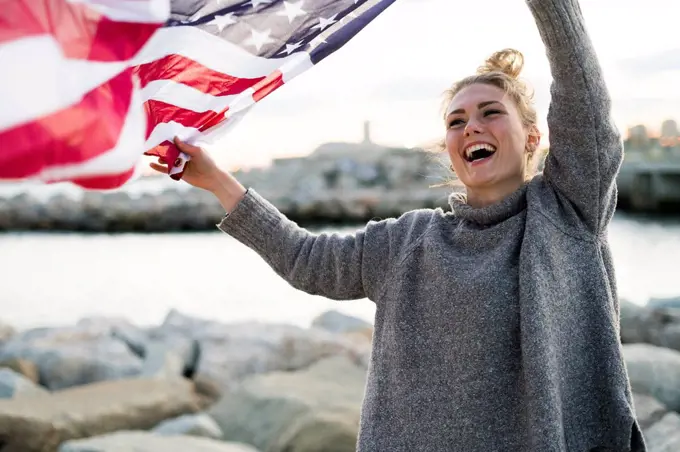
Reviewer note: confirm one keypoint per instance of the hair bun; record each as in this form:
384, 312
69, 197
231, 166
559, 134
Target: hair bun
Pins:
507, 61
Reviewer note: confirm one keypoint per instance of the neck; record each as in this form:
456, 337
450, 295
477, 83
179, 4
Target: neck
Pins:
479, 197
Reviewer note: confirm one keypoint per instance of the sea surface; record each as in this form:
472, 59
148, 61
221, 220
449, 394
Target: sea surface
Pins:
58, 278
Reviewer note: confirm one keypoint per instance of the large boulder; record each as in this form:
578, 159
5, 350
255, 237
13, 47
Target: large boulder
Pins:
337, 322
40, 424
228, 353
654, 371
660, 427
71, 356
657, 326
149, 442
311, 410
13, 384
200, 424
6, 332
22, 366
632, 328
673, 302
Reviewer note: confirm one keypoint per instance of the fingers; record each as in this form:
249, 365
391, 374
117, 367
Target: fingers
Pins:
188, 149
160, 168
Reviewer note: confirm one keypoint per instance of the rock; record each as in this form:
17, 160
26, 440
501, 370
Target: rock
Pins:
21, 366
656, 326
178, 341
337, 322
664, 302
648, 410
664, 436
632, 328
229, 353
660, 427
161, 361
654, 371
72, 356
200, 424
6, 332
311, 410
13, 384
148, 442
40, 424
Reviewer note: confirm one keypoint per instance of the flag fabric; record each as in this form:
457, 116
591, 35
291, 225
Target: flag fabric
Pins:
94, 84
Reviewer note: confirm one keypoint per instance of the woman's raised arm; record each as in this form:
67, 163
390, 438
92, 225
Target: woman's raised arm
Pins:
585, 146
333, 265
336, 266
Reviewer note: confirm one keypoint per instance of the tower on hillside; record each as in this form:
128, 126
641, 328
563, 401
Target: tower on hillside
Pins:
367, 132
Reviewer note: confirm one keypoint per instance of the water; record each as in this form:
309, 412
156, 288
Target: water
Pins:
51, 279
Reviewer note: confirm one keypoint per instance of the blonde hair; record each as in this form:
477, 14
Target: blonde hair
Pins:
502, 70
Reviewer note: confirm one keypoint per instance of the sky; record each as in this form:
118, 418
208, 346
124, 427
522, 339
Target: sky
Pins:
394, 72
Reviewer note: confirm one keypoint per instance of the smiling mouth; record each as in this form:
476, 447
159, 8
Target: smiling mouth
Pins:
479, 152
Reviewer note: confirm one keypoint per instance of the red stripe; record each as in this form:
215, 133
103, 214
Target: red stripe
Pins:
71, 135
267, 85
159, 112
81, 32
191, 73
105, 182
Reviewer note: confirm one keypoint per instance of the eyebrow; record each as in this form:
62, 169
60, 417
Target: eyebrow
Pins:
480, 106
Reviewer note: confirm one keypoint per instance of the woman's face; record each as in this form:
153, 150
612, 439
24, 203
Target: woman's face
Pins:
486, 140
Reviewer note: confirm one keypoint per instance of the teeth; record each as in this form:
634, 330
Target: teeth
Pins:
477, 147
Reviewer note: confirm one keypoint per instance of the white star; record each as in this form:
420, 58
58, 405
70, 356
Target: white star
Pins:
323, 23
293, 10
256, 3
223, 21
259, 38
290, 48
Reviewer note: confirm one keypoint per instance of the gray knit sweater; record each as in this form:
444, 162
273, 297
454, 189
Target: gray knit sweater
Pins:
496, 329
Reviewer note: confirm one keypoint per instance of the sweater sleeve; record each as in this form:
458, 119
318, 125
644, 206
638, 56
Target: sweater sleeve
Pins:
586, 150
336, 266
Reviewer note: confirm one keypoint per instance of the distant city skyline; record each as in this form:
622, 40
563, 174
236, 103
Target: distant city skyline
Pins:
395, 70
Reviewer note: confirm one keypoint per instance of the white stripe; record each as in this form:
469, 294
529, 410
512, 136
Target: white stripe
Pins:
37, 80
186, 97
123, 156
148, 11
167, 131
207, 139
212, 52
295, 66
213, 137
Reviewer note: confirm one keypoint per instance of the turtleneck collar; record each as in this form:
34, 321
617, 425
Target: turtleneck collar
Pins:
495, 213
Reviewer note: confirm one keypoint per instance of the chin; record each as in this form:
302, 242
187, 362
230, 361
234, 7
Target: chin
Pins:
480, 181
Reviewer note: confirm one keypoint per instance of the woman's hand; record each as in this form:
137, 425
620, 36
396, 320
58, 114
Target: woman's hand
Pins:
202, 172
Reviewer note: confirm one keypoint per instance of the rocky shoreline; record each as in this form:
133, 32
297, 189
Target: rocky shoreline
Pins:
107, 385
193, 209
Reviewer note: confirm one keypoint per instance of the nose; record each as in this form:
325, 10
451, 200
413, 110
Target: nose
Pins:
472, 128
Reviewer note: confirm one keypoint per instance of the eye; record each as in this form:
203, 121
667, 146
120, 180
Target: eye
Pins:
456, 122
492, 112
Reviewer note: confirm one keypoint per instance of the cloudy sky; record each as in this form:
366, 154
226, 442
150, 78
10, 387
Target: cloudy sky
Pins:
395, 70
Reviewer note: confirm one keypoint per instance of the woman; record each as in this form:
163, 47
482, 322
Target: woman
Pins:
496, 325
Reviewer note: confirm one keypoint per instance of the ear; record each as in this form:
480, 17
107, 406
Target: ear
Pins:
534, 138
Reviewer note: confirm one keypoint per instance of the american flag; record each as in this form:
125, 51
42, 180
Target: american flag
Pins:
88, 86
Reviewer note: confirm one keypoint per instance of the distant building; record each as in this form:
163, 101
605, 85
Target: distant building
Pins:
670, 137
346, 165
638, 137
362, 150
